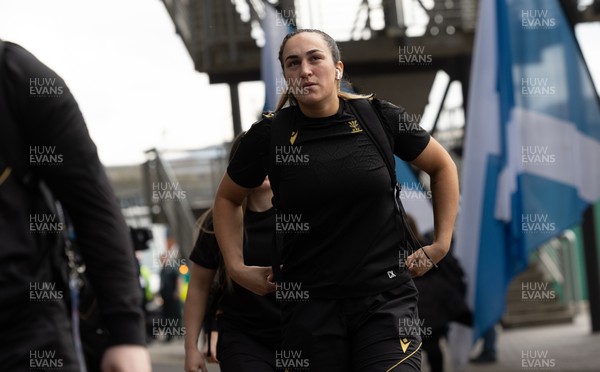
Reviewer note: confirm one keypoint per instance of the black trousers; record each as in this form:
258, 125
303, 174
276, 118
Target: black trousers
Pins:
358, 334
239, 352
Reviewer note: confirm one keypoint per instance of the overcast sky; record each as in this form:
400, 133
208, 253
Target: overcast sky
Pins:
132, 76
130, 73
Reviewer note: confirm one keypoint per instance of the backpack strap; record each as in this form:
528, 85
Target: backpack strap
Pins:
370, 118
372, 123
283, 124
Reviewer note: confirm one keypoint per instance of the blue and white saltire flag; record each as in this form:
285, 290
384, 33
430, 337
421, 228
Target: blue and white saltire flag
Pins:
532, 148
275, 26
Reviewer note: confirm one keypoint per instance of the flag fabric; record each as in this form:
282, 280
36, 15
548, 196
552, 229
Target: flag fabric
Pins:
416, 200
275, 26
532, 148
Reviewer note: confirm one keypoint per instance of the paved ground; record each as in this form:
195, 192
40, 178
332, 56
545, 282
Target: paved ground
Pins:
566, 347
169, 357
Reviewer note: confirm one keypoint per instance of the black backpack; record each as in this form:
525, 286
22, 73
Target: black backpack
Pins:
367, 112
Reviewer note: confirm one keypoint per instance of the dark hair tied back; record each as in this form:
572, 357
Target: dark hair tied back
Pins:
333, 47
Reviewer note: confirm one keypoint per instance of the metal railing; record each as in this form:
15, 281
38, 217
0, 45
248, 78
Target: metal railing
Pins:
176, 209
362, 19
410, 18
179, 184
557, 259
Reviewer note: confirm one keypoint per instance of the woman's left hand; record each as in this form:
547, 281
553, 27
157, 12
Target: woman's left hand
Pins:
418, 263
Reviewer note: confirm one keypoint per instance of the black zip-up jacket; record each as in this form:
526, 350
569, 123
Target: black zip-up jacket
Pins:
56, 147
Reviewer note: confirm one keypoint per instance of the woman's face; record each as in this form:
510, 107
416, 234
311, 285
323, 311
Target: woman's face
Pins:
309, 70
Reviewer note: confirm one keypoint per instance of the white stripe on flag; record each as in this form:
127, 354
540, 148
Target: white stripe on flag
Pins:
550, 148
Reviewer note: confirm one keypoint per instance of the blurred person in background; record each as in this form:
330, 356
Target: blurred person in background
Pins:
441, 301
170, 285
249, 325
488, 350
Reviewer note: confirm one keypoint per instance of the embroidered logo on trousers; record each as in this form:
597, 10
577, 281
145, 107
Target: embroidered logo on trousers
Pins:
404, 343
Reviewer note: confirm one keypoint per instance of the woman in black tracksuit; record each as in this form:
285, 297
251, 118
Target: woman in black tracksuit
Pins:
344, 286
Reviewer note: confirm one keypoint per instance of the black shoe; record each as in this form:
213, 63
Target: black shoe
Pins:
484, 358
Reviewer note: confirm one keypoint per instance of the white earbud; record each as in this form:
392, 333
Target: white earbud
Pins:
339, 74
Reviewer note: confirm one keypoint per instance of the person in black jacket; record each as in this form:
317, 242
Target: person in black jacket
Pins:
442, 295
43, 134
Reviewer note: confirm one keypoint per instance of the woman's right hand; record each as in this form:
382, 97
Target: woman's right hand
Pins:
257, 279
194, 361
